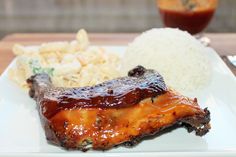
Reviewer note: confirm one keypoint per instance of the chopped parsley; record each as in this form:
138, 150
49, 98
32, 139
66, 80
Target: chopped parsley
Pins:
36, 68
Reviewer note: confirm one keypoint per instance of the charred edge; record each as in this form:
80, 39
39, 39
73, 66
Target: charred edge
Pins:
136, 140
29, 81
137, 71
198, 124
33, 83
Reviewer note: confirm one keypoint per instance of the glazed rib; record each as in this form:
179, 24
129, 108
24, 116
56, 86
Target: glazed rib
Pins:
114, 112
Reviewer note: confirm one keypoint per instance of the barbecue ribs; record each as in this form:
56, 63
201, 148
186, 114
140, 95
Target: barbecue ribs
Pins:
118, 111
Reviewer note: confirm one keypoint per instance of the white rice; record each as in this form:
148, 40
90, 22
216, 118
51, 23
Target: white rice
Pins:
179, 57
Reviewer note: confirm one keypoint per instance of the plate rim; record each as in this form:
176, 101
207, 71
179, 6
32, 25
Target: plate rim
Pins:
215, 153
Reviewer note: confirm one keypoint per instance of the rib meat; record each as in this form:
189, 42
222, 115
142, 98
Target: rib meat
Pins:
114, 112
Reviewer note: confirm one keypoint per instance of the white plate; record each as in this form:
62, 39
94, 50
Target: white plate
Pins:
21, 132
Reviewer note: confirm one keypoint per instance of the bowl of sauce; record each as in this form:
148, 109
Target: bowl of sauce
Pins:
189, 15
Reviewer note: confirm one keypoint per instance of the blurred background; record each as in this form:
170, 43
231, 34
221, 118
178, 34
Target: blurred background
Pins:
96, 16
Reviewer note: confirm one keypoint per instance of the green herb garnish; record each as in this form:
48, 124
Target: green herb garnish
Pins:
36, 68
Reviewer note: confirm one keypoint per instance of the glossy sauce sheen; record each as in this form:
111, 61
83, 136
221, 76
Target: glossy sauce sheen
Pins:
142, 106
117, 93
110, 126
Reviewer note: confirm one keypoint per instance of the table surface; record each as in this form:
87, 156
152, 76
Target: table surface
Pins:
223, 43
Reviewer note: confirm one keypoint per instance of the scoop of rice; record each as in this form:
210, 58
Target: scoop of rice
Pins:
179, 57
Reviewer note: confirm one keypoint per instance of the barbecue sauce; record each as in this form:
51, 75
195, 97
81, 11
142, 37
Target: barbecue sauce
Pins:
193, 22
189, 15
117, 93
